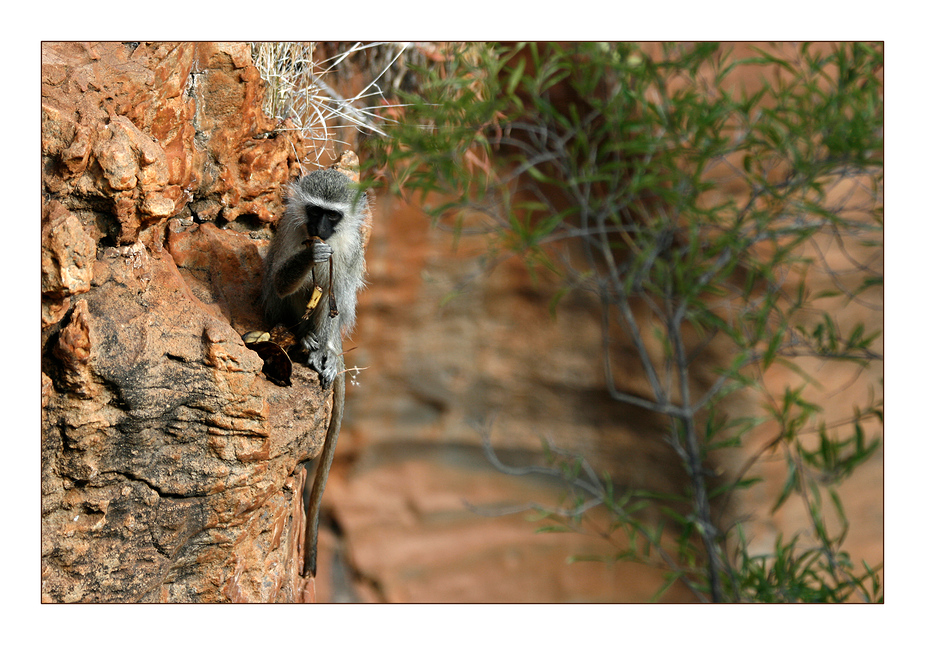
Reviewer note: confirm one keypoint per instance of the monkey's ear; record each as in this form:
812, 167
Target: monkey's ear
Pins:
366, 229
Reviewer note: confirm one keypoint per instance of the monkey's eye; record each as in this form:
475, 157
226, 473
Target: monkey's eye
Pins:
317, 213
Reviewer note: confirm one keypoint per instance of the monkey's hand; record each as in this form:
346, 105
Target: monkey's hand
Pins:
320, 251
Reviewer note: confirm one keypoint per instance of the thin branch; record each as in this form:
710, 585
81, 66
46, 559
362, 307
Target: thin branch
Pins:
598, 497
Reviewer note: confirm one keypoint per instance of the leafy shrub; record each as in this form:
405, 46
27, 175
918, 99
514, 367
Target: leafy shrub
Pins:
704, 212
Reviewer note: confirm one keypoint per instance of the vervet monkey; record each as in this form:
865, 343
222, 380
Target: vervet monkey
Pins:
322, 229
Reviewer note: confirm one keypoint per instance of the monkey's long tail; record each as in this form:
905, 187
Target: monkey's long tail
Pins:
321, 474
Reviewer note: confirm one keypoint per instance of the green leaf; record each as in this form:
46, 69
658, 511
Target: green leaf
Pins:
670, 579
516, 75
790, 485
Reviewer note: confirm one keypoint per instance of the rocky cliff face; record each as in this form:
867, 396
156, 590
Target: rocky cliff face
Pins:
170, 465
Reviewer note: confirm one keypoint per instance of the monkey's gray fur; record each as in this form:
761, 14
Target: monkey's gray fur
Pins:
328, 205
324, 204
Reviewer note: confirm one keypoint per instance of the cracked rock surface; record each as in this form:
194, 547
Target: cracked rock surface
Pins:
171, 468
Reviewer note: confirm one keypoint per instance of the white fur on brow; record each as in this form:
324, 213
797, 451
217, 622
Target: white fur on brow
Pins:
318, 202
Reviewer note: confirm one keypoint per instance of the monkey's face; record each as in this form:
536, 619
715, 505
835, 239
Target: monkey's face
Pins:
322, 222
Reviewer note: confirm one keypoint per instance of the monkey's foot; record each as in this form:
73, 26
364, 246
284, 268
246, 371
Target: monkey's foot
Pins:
325, 363
311, 343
